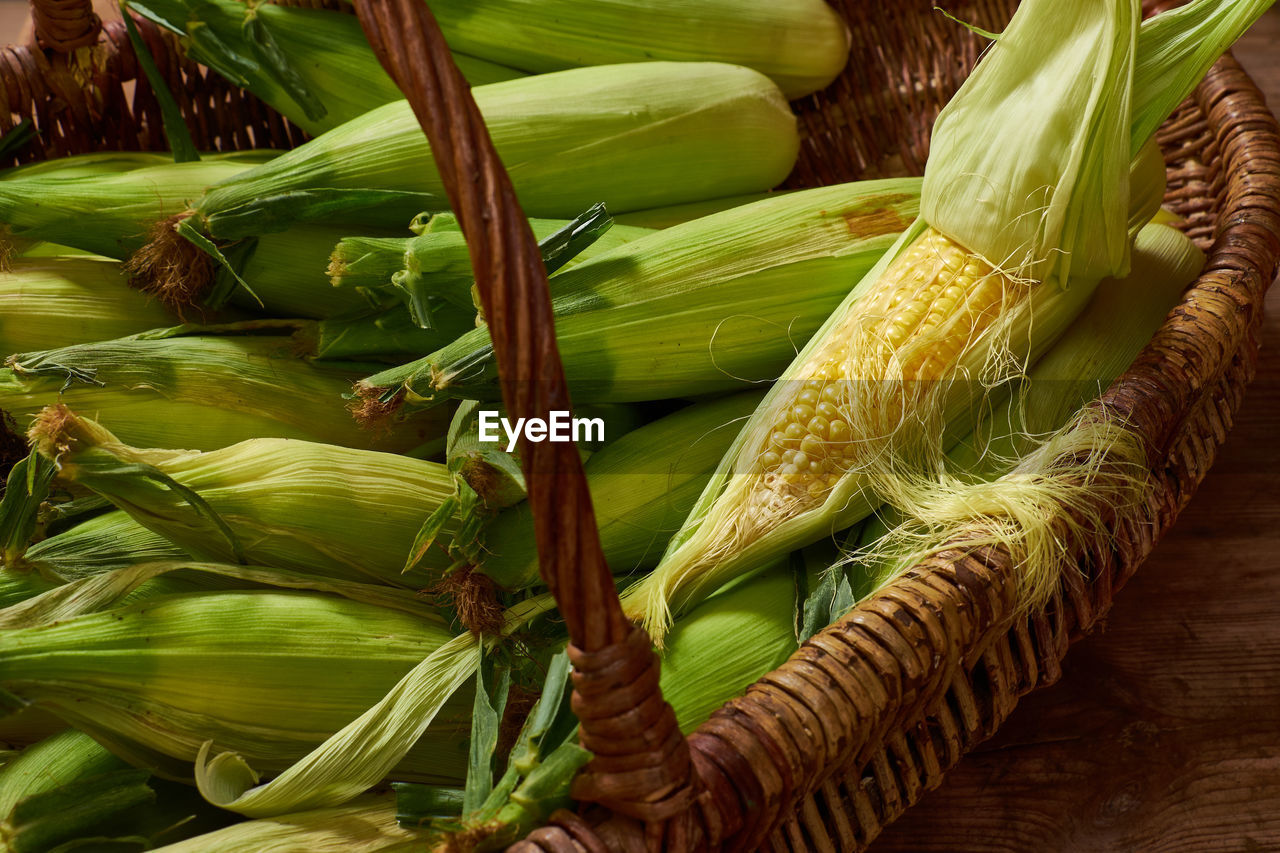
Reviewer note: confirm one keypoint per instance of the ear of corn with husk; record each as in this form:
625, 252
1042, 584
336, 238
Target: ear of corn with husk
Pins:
434, 267
801, 44
314, 66
90, 203
48, 303
664, 317
692, 131
1003, 460
1006, 252
239, 504
201, 387
265, 674
61, 788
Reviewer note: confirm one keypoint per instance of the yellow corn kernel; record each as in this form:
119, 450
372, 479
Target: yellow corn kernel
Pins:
927, 309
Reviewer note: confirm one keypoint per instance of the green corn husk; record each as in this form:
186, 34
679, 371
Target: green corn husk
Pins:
104, 543
53, 762
630, 136
202, 388
58, 302
678, 214
365, 825
314, 66
665, 317
436, 261
389, 334
1104, 340
265, 674
62, 788
87, 202
706, 661
801, 44
316, 508
16, 586
95, 164
1006, 252
642, 486
288, 276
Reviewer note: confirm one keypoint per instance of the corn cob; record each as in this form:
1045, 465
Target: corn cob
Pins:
104, 543
570, 140
640, 489
101, 208
201, 387
664, 317
251, 512
314, 66
58, 302
365, 825
801, 44
867, 406
266, 674
1119, 320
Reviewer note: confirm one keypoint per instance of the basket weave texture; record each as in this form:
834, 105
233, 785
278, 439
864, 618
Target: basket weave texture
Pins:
868, 715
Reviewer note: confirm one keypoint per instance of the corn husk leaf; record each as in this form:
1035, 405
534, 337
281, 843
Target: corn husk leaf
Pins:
230, 504
57, 204
364, 751
56, 302
314, 66
201, 386
801, 44
364, 825
265, 674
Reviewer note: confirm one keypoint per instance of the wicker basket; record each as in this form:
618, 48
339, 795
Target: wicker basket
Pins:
825, 751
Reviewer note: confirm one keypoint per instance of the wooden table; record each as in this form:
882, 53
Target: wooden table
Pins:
1164, 733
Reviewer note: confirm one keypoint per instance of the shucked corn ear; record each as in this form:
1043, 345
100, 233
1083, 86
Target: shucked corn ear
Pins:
315, 508
266, 674
956, 305
314, 66
202, 388
642, 486
631, 136
107, 210
707, 306
801, 44
1103, 341
57, 302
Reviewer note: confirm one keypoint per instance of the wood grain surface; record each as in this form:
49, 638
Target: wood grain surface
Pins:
1164, 733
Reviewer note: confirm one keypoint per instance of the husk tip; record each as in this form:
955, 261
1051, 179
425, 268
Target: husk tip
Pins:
171, 267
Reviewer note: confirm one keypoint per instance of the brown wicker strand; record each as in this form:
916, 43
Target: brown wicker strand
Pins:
64, 25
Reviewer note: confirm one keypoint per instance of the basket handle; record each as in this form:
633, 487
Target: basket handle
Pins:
64, 25
643, 767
